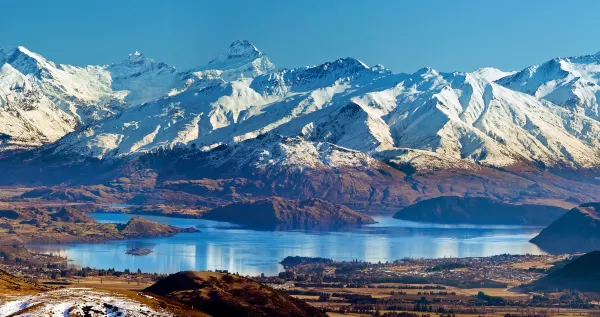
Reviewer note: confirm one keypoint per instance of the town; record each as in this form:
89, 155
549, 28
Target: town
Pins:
483, 286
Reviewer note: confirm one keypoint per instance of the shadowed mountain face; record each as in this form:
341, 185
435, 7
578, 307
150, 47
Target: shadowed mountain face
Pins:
242, 172
278, 212
224, 295
583, 274
577, 231
478, 210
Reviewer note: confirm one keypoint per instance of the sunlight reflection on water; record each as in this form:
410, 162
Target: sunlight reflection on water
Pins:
225, 246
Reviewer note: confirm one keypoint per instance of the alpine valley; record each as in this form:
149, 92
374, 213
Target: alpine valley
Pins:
240, 129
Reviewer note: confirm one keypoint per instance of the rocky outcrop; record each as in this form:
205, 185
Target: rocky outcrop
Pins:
288, 214
577, 231
478, 210
223, 295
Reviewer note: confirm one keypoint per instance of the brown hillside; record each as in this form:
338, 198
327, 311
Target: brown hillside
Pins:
291, 213
224, 295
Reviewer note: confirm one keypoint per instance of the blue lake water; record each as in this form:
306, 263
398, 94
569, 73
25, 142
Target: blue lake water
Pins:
225, 246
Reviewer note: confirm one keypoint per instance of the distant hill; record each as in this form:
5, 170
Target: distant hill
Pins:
69, 224
583, 274
224, 295
478, 210
278, 211
576, 231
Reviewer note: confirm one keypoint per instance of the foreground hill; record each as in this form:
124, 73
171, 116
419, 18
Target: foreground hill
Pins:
478, 210
223, 295
76, 302
583, 274
576, 231
279, 212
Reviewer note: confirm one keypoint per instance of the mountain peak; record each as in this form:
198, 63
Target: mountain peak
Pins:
136, 57
24, 50
427, 71
491, 74
243, 49
135, 54
24, 60
239, 50
19, 51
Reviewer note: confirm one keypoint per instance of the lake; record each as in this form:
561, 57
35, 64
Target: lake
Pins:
224, 246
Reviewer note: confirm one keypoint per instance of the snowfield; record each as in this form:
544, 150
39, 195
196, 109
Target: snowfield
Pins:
544, 114
75, 302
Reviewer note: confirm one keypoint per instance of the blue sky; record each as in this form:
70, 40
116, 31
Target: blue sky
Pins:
402, 35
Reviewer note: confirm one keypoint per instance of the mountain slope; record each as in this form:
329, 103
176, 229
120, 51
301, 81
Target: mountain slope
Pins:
454, 117
41, 101
342, 131
572, 82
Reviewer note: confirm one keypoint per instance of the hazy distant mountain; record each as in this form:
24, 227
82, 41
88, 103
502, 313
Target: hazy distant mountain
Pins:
582, 274
576, 231
480, 211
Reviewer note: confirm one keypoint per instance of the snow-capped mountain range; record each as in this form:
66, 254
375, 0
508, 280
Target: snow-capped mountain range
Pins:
342, 112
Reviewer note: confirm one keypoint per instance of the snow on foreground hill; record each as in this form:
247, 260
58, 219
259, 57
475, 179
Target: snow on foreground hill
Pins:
75, 302
427, 118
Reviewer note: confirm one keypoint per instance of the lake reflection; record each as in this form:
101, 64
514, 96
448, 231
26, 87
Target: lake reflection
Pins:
225, 246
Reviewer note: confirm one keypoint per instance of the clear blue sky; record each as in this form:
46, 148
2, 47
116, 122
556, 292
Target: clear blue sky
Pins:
402, 35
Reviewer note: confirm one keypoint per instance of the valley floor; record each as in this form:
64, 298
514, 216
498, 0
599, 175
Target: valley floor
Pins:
464, 287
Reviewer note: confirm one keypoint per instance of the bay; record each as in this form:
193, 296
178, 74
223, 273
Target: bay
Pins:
224, 246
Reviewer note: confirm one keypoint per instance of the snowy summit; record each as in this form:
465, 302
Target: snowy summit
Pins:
545, 114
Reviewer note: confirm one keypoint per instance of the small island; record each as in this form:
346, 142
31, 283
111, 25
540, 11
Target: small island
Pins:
292, 261
138, 251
